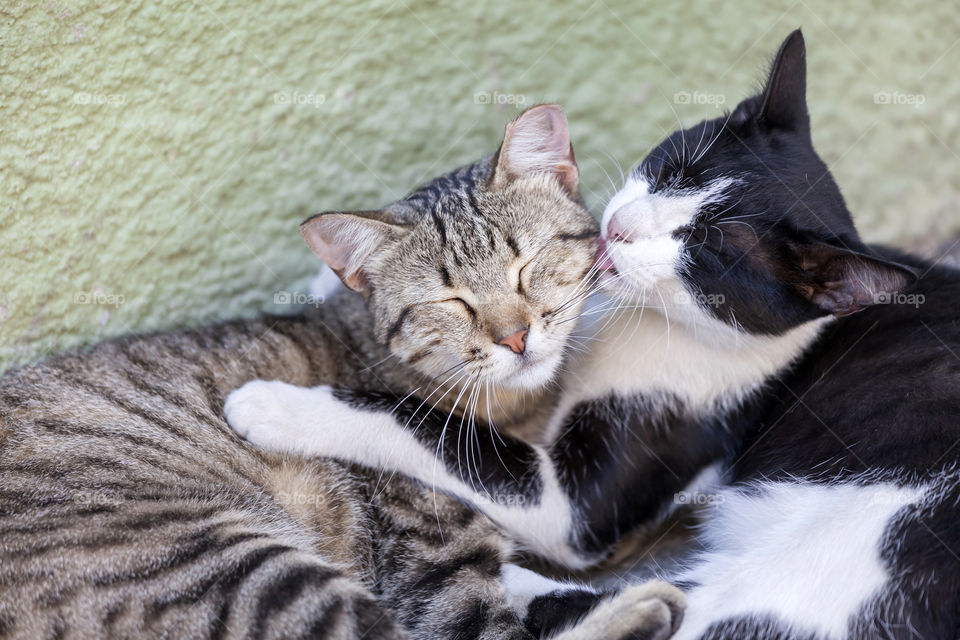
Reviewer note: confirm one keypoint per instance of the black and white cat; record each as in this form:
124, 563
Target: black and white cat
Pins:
757, 341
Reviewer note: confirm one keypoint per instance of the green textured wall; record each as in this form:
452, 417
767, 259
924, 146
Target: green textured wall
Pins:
155, 159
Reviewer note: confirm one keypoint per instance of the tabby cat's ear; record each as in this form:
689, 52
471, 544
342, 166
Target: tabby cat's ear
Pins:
538, 141
785, 94
841, 281
346, 241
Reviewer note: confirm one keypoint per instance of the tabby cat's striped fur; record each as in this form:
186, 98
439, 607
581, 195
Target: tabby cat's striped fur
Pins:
128, 508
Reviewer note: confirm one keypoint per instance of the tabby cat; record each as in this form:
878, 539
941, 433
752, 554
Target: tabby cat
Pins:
756, 340
129, 508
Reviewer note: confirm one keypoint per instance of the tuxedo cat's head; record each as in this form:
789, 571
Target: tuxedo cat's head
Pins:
475, 274
738, 219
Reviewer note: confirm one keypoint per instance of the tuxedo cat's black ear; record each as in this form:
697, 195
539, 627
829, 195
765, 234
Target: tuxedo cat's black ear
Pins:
538, 141
841, 281
346, 241
784, 101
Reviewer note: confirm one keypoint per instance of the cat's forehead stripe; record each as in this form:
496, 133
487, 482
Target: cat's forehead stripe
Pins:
461, 184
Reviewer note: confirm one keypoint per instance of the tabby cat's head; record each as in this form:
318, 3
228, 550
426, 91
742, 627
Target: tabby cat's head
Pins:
478, 272
738, 220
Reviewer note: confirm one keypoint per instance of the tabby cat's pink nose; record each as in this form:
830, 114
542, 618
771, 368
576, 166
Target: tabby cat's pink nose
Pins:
516, 341
616, 231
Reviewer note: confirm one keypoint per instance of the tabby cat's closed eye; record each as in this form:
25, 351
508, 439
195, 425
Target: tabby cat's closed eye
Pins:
479, 234
462, 305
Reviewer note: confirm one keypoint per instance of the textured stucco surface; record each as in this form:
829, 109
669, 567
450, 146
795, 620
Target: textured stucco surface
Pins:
155, 158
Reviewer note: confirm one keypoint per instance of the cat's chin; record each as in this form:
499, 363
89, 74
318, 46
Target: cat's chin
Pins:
532, 375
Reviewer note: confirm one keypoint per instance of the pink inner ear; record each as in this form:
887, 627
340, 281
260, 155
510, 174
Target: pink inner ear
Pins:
539, 142
315, 233
338, 260
553, 128
345, 241
333, 243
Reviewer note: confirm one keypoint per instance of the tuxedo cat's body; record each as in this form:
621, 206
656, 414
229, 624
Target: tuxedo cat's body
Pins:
840, 521
758, 343
843, 518
840, 518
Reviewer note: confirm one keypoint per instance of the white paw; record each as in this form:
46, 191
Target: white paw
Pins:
652, 611
662, 593
273, 415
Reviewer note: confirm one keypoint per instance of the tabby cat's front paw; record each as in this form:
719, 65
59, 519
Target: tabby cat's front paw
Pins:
271, 414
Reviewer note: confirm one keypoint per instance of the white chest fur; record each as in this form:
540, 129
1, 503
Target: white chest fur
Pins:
802, 555
640, 352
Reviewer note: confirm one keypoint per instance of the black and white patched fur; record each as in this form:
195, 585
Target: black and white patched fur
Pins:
750, 339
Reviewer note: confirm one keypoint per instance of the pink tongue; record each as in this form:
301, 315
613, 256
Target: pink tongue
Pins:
604, 263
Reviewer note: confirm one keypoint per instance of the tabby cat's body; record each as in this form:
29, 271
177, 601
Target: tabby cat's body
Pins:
128, 505
128, 508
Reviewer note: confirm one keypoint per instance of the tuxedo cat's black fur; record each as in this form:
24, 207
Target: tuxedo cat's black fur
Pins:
886, 381
878, 399
875, 399
794, 241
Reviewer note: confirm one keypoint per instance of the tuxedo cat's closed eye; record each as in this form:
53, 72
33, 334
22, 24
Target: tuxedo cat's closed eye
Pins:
717, 212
